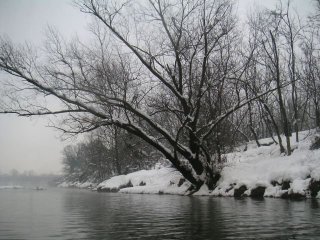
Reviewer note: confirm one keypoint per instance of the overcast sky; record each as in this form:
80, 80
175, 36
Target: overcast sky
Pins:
27, 144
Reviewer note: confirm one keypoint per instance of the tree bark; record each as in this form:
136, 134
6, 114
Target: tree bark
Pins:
285, 122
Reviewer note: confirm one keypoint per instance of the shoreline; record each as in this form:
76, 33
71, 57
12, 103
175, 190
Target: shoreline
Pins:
256, 172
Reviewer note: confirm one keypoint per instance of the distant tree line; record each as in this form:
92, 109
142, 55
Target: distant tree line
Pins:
183, 78
106, 153
27, 178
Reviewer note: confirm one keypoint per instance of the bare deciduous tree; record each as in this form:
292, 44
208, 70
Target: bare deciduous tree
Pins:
152, 71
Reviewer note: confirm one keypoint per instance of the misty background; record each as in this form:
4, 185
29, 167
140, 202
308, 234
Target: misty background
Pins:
26, 144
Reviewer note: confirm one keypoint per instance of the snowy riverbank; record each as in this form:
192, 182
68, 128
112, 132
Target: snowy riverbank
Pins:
263, 171
84, 185
256, 172
160, 180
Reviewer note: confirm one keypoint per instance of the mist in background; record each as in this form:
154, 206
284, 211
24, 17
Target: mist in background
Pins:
26, 144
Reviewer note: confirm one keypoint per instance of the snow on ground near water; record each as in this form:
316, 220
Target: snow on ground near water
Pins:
77, 185
160, 180
253, 168
260, 166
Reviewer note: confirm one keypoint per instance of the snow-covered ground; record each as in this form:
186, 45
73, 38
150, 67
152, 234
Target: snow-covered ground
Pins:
87, 185
162, 180
265, 167
256, 172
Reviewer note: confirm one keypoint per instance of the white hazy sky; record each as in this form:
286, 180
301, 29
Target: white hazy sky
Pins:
27, 144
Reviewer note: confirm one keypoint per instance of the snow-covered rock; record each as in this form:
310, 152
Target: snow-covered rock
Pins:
164, 181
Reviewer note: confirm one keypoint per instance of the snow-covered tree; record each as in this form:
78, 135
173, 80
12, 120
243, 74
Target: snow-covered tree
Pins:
165, 71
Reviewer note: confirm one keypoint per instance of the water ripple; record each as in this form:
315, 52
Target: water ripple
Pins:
74, 214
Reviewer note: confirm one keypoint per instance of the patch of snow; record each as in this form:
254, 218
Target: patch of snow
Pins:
299, 186
274, 191
161, 180
315, 173
202, 191
114, 182
87, 184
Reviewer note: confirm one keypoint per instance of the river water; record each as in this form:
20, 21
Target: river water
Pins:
81, 214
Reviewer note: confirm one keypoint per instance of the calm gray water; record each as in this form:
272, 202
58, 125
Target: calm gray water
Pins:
80, 214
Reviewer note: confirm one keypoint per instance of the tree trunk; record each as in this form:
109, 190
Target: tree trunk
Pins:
276, 128
251, 121
293, 85
269, 129
284, 117
116, 149
317, 112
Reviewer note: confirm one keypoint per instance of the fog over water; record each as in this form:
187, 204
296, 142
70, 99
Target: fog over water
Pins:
27, 144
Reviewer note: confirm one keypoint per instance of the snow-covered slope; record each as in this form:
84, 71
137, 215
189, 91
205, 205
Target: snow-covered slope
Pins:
256, 172
264, 167
160, 180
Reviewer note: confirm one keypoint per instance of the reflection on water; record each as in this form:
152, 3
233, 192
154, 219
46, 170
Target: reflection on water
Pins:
76, 214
